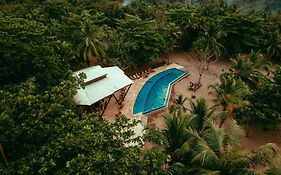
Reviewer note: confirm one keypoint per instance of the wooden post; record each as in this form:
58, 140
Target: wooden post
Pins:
105, 106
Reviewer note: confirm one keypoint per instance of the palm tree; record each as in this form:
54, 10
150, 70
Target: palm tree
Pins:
273, 44
208, 46
200, 113
91, 43
257, 61
178, 106
177, 121
209, 40
213, 150
231, 93
175, 131
241, 67
244, 66
217, 151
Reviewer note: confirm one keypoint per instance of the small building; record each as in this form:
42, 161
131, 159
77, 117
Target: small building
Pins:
100, 86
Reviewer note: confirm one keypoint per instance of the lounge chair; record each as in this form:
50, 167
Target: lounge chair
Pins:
197, 86
132, 77
135, 77
145, 75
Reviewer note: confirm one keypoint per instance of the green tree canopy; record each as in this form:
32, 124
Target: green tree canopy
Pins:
45, 134
138, 42
27, 49
265, 101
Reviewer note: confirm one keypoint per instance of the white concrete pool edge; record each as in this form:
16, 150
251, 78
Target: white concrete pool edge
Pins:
140, 129
168, 94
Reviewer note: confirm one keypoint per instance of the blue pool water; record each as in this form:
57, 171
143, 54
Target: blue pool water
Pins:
154, 93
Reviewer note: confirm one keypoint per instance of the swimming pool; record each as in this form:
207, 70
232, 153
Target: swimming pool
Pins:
154, 93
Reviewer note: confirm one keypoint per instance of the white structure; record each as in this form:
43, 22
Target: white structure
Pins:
101, 83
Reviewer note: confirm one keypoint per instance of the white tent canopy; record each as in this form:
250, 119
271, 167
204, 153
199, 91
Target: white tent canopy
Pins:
100, 83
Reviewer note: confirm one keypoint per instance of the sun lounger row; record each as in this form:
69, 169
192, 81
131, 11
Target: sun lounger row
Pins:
143, 73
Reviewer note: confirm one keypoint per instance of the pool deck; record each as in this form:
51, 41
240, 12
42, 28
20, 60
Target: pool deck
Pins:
127, 109
189, 62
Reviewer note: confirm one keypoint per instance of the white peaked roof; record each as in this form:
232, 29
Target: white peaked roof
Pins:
100, 83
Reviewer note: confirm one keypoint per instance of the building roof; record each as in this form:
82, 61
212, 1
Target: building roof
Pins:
100, 83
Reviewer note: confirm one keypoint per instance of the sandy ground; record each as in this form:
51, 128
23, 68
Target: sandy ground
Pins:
190, 64
257, 137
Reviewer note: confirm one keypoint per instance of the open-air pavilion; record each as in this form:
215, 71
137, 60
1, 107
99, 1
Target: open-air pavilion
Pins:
100, 85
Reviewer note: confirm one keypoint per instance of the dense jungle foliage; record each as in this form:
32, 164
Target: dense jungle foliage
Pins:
43, 42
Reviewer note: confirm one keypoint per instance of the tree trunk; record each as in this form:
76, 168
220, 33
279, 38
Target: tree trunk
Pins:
94, 61
88, 61
221, 123
223, 119
2, 152
248, 128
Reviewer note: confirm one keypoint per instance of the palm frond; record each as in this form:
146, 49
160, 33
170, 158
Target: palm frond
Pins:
233, 133
175, 130
176, 169
204, 155
275, 167
231, 92
184, 149
265, 154
200, 114
214, 137
235, 156
246, 171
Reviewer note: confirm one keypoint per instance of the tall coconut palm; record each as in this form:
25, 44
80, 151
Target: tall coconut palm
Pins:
208, 46
273, 44
231, 93
175, 130
217, 151
91, 43
200, 113
241, 67
244, 66
257, 62
178, 106
177, 122
209, 40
